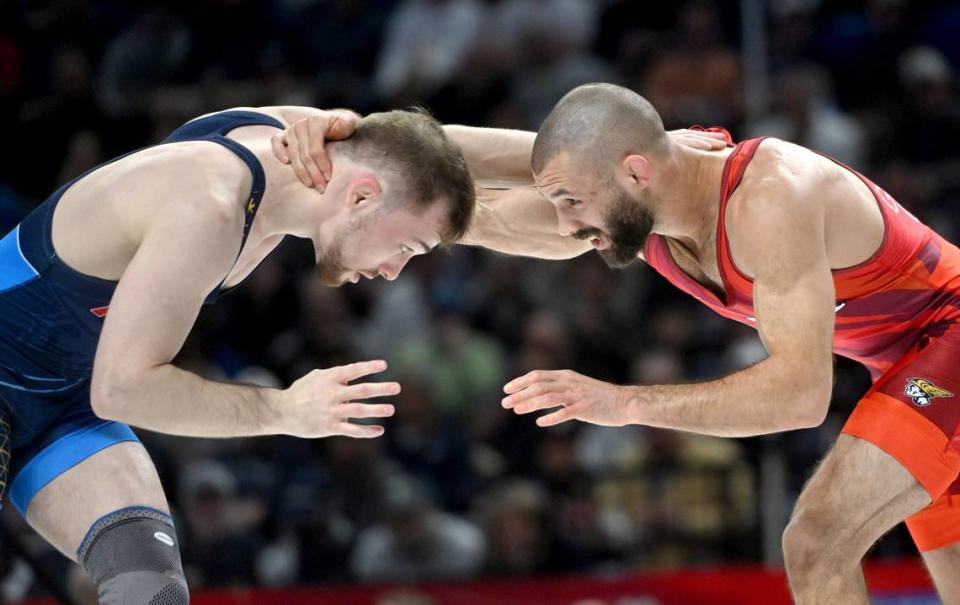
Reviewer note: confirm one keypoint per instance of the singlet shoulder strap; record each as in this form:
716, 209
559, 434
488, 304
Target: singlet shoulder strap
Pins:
735, 167
214, 128
735, 284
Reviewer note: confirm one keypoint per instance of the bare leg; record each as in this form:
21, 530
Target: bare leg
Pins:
119, 476
944, 567
859, 493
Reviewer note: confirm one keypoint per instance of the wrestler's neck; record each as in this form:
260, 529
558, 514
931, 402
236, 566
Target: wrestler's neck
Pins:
288, 207
687, 195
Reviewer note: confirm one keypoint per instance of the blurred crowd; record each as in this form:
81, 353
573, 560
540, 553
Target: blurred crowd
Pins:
458, 488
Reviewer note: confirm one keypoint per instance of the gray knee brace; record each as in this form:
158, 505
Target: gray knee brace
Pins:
132, 554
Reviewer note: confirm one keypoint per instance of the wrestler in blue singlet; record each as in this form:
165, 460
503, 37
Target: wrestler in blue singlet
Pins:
50, 322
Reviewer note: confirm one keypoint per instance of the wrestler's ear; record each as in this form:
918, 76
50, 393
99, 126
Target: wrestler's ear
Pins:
636, 171
362, 191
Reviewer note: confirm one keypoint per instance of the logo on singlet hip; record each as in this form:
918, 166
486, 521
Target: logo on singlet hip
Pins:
923, 392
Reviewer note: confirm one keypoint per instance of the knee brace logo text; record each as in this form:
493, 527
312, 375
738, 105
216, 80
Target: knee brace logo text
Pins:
923, 392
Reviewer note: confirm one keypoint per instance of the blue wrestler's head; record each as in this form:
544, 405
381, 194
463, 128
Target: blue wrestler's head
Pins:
403, 189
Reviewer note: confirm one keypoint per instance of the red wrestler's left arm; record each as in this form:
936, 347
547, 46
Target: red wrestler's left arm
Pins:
779, 227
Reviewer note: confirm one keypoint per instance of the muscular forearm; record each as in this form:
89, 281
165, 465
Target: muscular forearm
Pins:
495, 156
520, 222
167, 399
766, 398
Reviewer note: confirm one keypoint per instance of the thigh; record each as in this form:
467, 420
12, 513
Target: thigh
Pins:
913, 413
119, 476
944, 564
79, 470
858, 493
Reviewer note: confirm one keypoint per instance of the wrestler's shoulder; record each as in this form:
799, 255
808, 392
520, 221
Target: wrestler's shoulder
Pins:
781, 168
777, 190
187, 162
177, 173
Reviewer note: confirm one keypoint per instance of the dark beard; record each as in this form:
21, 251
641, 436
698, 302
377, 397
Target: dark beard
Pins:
628, 227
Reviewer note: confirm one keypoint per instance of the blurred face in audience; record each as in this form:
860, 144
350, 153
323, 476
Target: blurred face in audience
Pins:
596, 207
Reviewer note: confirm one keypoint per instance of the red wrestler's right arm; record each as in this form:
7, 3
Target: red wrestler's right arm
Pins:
188, 245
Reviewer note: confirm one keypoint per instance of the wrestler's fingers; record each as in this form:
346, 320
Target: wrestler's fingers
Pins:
542, 402
528, 379
352, 371
342, 125
366, 390
296, 160
561, 415
278, 144
531, 392
301, 132
317, 161
365, 410
359, 431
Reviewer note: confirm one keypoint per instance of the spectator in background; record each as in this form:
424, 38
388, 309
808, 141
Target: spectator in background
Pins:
916, 142
431, 445
697, 79
928, 127
426, 44
416, 542
397, 315
154, 50
462, 366
64, 126
514, 518
221, 527
325, 331
334, 41
311, 536
806, 113
360, 475
554, 38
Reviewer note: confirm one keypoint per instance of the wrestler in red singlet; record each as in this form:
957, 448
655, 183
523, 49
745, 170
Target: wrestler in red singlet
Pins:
896, 313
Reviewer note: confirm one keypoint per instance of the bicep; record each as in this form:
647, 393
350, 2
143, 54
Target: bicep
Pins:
179, 261
793, 290
795, 309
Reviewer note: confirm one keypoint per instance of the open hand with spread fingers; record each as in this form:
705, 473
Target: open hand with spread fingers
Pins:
322, 403
579, 397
